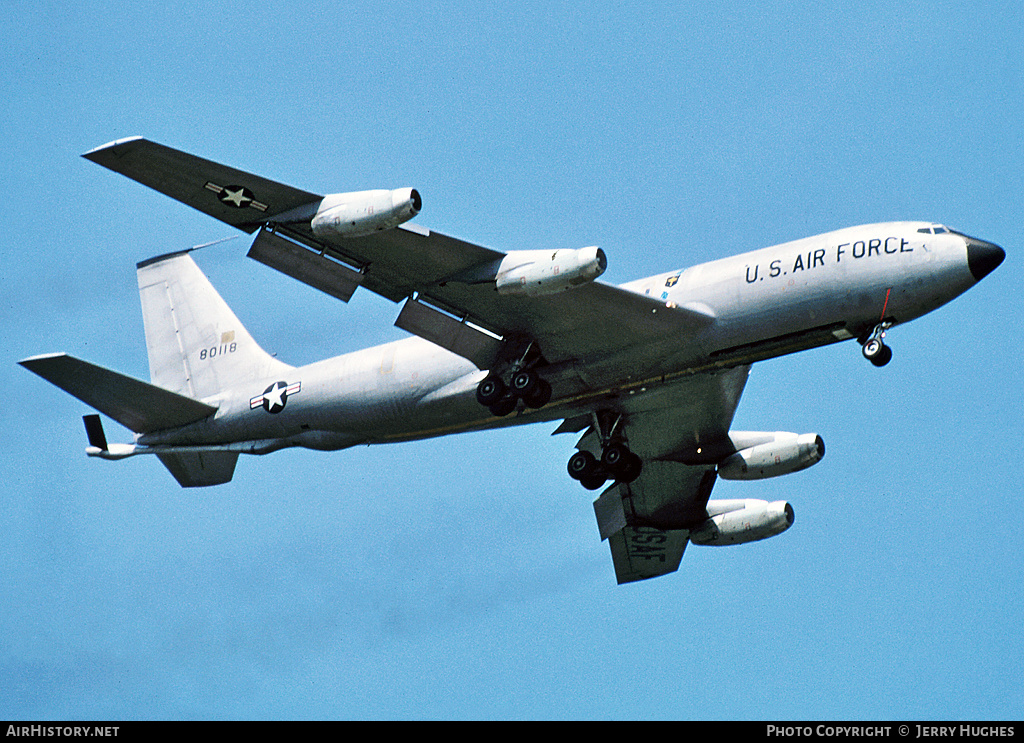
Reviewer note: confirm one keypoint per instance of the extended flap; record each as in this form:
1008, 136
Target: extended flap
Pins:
447, 332
303, 264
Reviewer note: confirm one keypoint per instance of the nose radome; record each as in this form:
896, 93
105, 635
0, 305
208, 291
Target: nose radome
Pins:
982, 257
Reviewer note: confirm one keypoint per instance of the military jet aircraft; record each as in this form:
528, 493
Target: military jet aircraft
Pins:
649, 373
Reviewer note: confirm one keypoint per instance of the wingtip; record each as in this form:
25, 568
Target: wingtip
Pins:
91, 154
40, 357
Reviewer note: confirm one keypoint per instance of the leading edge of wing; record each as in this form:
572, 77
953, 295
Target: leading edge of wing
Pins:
238, 198
591, 320
588, 320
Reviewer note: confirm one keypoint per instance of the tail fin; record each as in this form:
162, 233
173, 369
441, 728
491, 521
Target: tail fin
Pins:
197, 347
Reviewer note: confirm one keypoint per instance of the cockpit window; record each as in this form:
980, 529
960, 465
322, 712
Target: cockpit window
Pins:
940, 230
936, 230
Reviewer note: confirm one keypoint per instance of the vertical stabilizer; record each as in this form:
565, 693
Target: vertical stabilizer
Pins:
197, 347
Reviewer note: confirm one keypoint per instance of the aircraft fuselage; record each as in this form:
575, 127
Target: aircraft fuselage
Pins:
761, 304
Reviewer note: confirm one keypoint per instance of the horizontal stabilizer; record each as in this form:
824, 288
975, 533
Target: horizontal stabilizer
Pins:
139, 406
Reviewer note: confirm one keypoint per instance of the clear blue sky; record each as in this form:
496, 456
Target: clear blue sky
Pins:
464, 577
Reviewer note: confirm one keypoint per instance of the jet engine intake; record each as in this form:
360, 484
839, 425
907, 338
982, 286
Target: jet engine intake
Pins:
536, 272
781, 454
739, 521
364, 212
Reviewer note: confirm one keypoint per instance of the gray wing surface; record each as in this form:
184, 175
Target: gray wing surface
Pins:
595, 319
680, 432
237, 198
639, 553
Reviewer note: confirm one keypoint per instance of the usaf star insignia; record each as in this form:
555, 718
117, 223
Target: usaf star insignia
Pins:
275, 396
237, 197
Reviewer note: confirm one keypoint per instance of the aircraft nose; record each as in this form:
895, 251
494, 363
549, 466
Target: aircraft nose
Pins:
982, 257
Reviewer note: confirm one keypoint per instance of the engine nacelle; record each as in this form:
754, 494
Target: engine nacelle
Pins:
535, 272
739, 521
781, 454
364, 212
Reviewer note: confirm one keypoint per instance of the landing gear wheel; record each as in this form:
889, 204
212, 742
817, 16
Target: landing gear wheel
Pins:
524, 383
615, 457
490, 391
877, 352
504, 406
592, 482
582, 464
540, 395
631, 468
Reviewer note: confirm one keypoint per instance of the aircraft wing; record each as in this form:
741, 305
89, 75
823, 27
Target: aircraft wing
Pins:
443, 272
593, 319
240, 199
680, 431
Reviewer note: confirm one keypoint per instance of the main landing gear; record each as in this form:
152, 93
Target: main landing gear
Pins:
501, 393
501, 397
617, 462
874, 348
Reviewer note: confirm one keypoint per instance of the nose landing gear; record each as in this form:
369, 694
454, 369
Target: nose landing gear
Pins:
874, 348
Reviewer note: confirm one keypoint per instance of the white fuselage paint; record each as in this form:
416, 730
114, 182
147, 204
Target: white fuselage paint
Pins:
765, 303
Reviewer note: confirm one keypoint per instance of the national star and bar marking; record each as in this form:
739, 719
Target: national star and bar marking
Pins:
238, 197
275, 396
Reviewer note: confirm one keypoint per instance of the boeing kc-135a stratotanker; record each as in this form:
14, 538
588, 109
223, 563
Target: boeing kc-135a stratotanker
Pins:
650, 372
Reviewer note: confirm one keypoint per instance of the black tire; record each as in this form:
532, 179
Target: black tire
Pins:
614, 457
592, 482
540, 396
631, 469
504, 406
582, 464
490, 391
883, 358
524, 383
877, 352
872, 348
